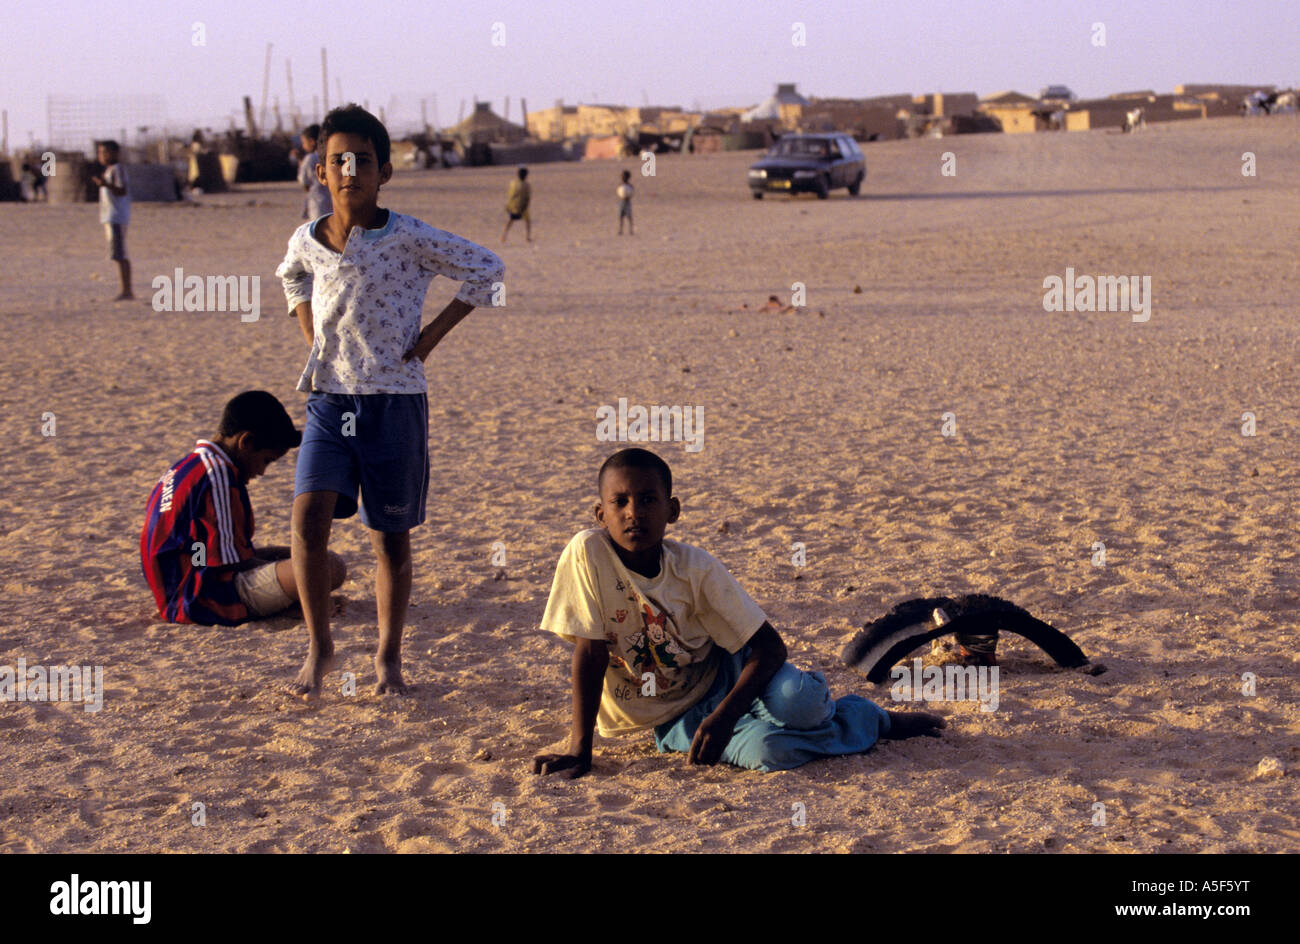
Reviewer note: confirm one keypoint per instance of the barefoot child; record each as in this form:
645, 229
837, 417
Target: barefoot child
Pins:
625, 192
665, 638
356, 281
114, 212
197, 544
518, 195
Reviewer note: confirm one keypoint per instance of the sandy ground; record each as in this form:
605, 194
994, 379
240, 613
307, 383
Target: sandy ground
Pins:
821, 427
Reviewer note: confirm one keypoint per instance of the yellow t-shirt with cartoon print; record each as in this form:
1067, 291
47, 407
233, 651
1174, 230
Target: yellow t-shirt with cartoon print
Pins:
663, 633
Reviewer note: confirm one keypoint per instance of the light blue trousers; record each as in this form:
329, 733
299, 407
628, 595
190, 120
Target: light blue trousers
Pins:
794, 721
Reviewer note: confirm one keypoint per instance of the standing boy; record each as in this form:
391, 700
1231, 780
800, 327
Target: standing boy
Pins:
114, 212
318, 201
518, 196
356, 280
625, 204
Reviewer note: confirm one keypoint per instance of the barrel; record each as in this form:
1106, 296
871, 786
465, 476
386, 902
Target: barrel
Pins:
71, 181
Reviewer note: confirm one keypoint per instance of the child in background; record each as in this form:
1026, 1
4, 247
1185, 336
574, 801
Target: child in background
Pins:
318, 201
624, 192
518, 197
114, 212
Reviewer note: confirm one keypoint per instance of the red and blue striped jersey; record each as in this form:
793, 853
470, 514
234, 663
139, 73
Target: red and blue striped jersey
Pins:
198, 522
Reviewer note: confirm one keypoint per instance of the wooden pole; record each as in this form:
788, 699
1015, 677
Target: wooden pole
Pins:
324, 81
293, 111
266, 84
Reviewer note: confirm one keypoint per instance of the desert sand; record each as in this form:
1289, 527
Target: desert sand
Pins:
822, 426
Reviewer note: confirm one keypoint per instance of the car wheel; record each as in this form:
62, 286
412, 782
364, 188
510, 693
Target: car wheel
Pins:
823, 188
758, 194
856, 186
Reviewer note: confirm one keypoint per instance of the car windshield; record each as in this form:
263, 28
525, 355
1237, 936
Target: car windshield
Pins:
799, 147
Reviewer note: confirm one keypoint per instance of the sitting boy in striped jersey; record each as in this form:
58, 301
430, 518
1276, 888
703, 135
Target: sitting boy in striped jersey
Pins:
196, 548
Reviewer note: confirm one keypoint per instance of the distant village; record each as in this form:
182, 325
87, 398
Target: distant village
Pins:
165, 166
605, 129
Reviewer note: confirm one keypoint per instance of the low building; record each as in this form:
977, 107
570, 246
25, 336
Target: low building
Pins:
1090, 114
945, 104
1233, 92
659, 119
865, 122
1014, 112
554, 124
1111, 112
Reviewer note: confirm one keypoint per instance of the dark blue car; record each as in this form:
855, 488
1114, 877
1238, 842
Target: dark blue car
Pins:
809, 163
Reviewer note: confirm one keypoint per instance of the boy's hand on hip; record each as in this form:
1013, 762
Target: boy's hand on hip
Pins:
424, 344
569, 766
711, 739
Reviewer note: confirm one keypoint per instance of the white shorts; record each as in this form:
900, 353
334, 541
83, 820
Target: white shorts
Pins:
260, 590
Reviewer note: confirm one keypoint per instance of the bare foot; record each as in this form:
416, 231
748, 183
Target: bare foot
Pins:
123, 297
906, 724
390, 677
307, 684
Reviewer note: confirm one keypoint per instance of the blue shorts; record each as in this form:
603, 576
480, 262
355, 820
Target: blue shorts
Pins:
794, 721
378, 442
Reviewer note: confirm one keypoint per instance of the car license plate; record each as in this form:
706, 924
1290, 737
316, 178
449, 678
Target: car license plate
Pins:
779, 184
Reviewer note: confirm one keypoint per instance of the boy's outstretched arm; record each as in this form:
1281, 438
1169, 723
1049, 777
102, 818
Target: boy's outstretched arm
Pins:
437, 329
590, 659
767, 655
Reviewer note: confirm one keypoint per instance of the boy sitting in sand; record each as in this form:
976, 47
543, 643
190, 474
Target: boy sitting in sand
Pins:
356, 280
197, 544
665, 638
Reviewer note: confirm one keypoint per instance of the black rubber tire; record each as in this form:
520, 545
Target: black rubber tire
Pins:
758, 194
856, 187
823, 188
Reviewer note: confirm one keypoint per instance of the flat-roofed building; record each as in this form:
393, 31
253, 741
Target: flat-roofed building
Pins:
1016, 113
864, 121
1234, 92
554, 124
945, 104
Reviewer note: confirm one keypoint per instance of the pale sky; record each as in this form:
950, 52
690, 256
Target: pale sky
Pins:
710, 54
